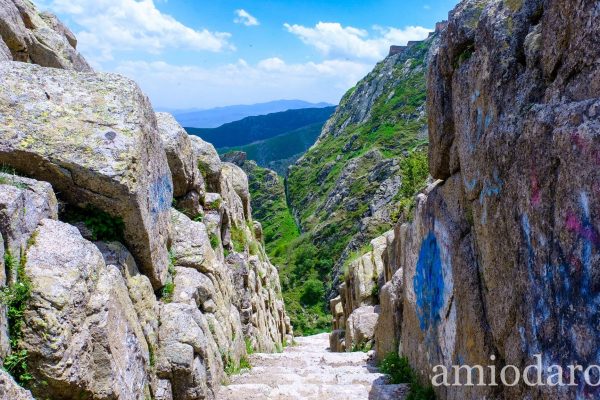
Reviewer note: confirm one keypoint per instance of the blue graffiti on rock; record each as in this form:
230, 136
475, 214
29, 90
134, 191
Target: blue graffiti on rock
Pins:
429, 283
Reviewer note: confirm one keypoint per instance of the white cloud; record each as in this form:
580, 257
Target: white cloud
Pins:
189, 86
332, 39
244, 17
113, 25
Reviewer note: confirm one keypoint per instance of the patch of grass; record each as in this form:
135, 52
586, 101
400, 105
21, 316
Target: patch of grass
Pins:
364, 347
249, 346
214, 240
399, 371
198, 218
234, 368
9, 178
103, 226
238, 239
254, 248
166, 294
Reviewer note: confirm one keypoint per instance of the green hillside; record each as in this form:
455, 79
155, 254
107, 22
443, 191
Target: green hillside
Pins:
281, 151
302, 291
362, 173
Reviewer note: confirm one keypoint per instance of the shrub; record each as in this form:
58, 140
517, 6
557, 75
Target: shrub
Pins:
399, 371
312, 292
249, 346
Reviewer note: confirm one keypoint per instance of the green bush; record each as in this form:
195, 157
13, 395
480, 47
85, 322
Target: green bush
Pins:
313, 292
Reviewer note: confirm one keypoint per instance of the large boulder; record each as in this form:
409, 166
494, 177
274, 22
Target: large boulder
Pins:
139, 288
30, 36
188, 357
81, 330
180, 155
360, 328
209, 162
233, 187
387, 331
191, 245
94, 137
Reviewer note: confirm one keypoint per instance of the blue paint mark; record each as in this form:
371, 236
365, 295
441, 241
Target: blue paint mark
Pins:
429, 283
470, 185
488, 120
479, 123
490, 189
161, 195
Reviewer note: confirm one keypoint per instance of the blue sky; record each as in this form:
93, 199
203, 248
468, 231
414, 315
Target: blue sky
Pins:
202, 54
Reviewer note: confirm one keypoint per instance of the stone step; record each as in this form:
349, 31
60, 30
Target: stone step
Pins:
309, 371
312, 392
288, 378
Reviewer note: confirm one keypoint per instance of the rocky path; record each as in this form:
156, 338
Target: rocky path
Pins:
307, 371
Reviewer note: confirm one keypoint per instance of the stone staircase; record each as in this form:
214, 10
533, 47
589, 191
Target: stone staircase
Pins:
307, 371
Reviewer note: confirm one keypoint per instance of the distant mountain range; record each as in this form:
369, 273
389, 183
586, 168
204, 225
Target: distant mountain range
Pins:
274, 140
216, 117
262, 127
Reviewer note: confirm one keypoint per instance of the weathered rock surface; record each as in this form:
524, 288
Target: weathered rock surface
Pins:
23, 204
40, 38
9, 390
81, 331
94, 137
502, 255
356, 310
208, 162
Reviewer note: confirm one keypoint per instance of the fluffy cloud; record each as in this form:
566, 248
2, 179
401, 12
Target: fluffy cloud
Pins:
111, 25
332, 39
244, 17
176, 86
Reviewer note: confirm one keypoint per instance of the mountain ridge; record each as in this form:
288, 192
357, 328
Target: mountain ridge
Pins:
217, 116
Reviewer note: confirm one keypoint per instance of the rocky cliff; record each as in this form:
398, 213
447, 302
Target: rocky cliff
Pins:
132, 267
502, 256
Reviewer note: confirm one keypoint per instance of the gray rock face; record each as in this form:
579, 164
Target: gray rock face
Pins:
9, 390
81, 330
94, 137
23, 204
40, 38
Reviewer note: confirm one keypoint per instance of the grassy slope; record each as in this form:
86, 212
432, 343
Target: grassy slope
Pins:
301, 293
393, 130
